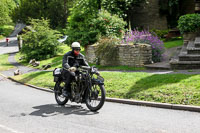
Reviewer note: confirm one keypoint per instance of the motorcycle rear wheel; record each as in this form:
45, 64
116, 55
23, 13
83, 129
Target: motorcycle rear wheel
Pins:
60, 99
95, 97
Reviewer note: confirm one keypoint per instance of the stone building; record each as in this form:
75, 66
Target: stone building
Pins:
149, 16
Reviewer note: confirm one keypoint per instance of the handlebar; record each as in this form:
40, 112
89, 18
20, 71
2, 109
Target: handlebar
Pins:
86, 67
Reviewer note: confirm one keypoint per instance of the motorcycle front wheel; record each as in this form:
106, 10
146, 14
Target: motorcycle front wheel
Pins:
60, 99
95, 97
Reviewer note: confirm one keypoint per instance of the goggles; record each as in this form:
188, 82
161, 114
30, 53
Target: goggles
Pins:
77, 49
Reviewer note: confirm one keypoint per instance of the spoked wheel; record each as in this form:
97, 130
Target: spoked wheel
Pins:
60, 99
95, 97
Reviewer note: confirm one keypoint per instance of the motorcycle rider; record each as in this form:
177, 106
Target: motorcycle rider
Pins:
71, 60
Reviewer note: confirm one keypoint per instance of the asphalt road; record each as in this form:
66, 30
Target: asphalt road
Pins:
12, 46
27, 110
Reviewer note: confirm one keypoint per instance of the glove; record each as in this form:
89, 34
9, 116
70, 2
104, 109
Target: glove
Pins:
72, 69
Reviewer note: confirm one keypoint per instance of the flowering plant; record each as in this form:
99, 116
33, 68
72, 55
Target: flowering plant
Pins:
135, 36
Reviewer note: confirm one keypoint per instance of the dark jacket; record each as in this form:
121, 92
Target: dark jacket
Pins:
70, 60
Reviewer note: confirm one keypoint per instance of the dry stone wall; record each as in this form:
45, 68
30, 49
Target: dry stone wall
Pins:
136, 55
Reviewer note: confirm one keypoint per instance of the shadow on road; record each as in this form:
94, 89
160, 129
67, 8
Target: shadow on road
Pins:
54, 109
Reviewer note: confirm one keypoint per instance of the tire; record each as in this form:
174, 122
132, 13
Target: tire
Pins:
60, 99
96, 95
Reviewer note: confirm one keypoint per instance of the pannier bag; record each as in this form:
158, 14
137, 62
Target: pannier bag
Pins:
57, 74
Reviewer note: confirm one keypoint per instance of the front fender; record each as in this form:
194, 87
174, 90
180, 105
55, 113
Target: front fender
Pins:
97, 81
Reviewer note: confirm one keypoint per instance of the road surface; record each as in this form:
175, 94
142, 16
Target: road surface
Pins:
27, 110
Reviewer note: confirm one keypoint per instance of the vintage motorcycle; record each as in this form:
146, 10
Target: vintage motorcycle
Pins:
87, 87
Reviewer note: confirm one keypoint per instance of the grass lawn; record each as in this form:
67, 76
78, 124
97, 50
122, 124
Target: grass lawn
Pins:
173, 42
4, 64
55, 61
5, 30
165, 88
118, 68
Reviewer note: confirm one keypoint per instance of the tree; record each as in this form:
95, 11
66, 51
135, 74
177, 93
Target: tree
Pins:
121, 7
54, 10
87, 23
80, 20
41, 42
7, 7
172, 10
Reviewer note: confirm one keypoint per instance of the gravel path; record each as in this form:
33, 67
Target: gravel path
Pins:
12, 49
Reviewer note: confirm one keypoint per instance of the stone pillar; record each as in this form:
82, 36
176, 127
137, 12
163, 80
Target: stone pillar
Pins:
90, 53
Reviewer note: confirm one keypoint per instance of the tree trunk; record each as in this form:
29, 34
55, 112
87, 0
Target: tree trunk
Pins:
65, 13
99, 4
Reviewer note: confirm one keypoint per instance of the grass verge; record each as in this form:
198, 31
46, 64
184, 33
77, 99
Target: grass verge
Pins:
165, 88
55, 61
173, 42
117, 68
4, 64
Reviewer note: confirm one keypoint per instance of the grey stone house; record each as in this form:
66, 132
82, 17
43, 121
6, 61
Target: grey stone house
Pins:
150, 16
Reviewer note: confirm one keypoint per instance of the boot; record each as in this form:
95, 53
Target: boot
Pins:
65, 93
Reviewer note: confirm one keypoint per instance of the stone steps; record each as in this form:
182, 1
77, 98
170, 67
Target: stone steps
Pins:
197, 42
185, 56
191, 49
189, 57
185, 65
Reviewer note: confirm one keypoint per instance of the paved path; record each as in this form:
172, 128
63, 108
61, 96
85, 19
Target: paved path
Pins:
12, 49
23, 69
13, 44
26, 110
17, 29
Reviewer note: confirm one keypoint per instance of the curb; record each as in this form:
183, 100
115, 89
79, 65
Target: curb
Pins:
154, 104
36, 87
127, 101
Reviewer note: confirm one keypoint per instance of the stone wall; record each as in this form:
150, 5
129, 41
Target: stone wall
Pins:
136, 55
148, 16
90, 53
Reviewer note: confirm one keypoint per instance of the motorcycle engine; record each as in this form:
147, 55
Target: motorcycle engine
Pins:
75, 89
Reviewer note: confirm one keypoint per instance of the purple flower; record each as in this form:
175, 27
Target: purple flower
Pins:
144, 36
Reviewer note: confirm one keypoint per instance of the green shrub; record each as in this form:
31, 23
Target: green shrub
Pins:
159, 33
106, 48
79, 24
189, 23
40, 42
109, 25
87, 28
